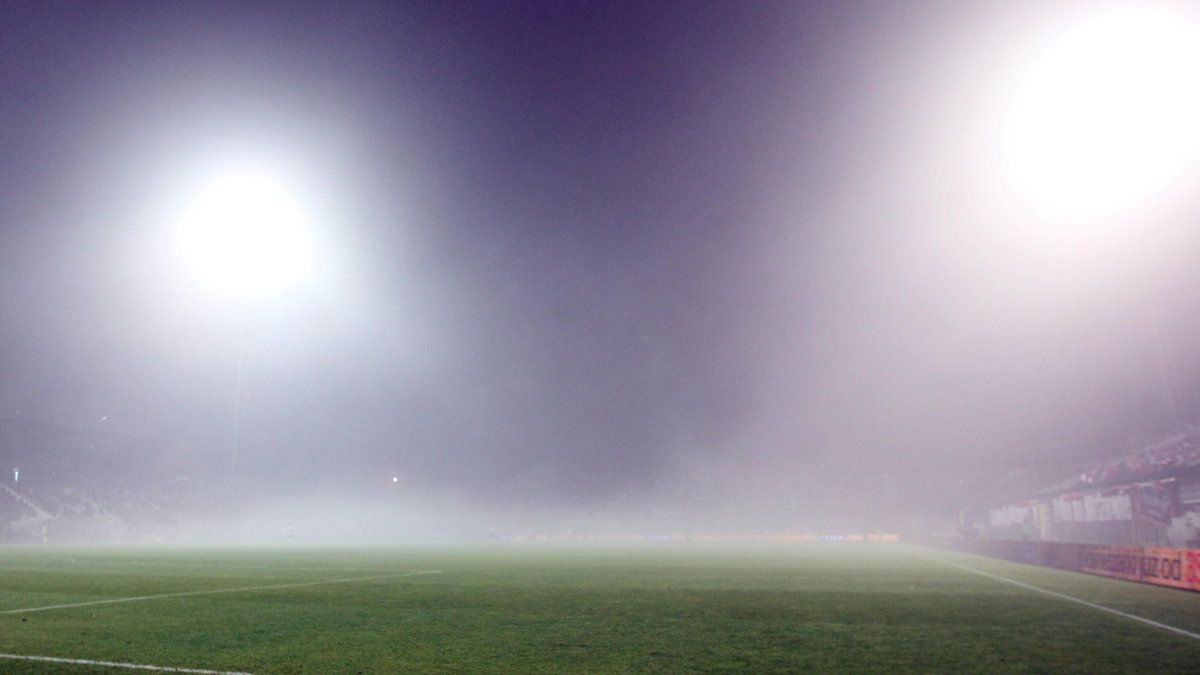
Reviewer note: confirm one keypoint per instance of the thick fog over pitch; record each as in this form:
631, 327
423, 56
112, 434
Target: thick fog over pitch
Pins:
744, 266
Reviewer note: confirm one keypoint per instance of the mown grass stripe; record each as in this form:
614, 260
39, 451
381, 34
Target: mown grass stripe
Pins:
184, 594
1063, 596
117, 664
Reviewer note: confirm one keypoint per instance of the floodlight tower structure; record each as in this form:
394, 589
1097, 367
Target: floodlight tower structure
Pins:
245, 237
1101, 132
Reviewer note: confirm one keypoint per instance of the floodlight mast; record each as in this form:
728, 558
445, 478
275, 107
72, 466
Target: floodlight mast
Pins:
238, 388
1101, 128
244, 237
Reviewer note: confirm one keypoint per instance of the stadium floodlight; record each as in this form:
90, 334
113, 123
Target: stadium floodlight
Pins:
1097, 132
245, 236
1103, 114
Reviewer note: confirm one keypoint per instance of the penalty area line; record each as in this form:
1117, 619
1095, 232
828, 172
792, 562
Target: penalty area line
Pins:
1062, 596
214, 591
117, 664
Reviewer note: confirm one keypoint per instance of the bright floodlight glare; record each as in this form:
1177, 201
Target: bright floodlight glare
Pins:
1105, 114
245, 236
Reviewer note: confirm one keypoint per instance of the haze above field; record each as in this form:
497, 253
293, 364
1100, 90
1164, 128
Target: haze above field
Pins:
740, 259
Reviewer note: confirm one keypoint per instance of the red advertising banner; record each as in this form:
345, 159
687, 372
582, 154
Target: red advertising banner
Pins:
1148, 564
1158, 565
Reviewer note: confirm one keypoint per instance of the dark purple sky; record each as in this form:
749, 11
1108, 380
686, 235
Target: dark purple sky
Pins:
575, 252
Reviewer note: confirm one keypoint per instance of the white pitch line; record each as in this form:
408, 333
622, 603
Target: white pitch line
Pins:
1064, 596
115, 664
217, 590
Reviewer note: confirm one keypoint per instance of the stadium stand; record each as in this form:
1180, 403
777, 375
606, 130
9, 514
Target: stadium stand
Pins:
1149, 496
88, 484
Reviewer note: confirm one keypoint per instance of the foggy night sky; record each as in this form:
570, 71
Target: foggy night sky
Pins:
572, 253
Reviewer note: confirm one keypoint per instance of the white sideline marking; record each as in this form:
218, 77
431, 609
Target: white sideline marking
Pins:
114, 664
1063, 596
217, 590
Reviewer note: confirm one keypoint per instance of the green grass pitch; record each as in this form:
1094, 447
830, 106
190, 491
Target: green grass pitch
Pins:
822, 608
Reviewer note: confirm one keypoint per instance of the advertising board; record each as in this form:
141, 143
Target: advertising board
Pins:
1157, 565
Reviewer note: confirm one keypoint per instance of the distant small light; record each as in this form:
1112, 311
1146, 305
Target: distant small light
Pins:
395, 479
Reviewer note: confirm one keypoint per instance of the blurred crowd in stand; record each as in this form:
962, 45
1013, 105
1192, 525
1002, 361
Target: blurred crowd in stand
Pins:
1161, 460
67, 484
